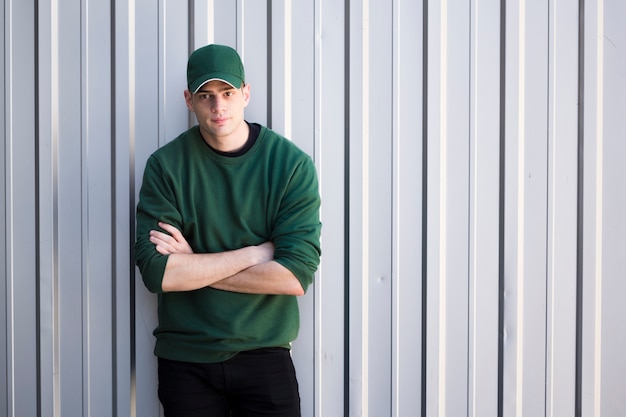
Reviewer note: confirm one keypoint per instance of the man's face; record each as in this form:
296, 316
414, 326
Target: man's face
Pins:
219, 109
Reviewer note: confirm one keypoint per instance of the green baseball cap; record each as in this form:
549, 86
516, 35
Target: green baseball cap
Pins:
214, 62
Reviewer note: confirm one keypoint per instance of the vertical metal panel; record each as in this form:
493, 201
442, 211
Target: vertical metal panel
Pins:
407, 110
47, 167
447, 207
70, 217
371, 147
20, 287
98, 191
604, 204
562, 209
122, 223
202, 13
357, 250
525, 208
4, 223
484, 216
252, 43
280, 16
70, 213
614, 209
378, 198
592, 209
226, 23
328, 147
172, 76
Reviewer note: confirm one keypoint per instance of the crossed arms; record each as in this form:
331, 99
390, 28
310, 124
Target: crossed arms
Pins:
247, 270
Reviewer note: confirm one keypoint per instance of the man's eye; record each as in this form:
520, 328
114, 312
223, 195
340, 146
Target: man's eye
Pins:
229, 93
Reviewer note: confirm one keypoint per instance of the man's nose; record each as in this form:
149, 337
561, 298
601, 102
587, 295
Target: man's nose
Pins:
217, 103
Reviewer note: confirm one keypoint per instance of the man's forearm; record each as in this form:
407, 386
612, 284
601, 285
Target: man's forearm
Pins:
265, 278
192, 271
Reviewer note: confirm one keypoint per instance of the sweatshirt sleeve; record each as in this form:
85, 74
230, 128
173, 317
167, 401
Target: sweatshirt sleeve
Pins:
156, 203
296, 234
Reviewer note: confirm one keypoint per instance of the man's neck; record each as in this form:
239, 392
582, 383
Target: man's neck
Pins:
231, 143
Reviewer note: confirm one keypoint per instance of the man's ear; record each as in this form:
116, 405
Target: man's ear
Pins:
188, 100
245, 90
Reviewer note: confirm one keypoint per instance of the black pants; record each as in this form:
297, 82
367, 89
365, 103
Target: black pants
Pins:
255, 383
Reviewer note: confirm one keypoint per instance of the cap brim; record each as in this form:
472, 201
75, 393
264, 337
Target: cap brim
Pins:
202, 81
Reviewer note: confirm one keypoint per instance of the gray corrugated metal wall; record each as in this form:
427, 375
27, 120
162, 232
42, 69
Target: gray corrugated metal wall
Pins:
471, 161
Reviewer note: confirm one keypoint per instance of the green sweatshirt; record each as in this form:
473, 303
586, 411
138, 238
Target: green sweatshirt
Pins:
223, 203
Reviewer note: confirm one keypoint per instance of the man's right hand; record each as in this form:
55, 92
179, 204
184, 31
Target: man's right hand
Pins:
174, 242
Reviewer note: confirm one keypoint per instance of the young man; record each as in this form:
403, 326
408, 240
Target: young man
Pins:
228, 235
